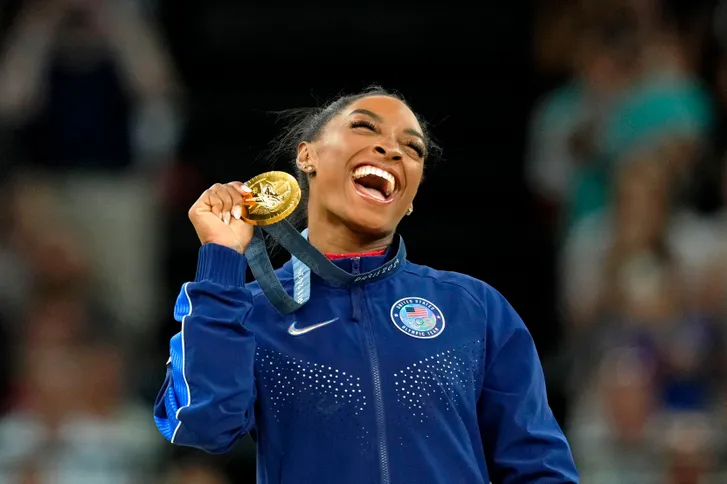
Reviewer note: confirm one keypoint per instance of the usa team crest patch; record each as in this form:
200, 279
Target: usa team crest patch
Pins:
417, 317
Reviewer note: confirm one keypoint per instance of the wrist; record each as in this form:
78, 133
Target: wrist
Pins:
237, 247
221, 264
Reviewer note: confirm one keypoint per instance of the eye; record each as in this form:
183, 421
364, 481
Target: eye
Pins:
417, 147
363, 123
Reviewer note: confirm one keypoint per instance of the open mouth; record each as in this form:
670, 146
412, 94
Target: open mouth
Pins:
374, 183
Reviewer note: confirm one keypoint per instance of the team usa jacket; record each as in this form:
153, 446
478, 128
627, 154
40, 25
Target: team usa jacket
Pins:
420, 377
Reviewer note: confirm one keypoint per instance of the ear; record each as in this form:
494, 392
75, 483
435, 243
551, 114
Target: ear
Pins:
307, 160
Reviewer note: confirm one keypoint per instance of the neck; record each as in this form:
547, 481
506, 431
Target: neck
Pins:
337, 238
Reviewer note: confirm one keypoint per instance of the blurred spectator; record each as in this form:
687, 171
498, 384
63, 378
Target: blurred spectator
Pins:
640, 219
567, 123
690, 451
46, 288
24, 229
614, 427
91, 94
617, 107
631, 278
194, 472
71, 425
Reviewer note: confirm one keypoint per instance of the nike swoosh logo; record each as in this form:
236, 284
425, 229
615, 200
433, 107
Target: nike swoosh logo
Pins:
298, 331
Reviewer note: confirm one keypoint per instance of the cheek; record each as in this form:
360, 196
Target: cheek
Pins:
331, 186
334, 151
331, 172
414, 175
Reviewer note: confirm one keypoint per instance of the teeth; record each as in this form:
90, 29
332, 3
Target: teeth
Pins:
365, 170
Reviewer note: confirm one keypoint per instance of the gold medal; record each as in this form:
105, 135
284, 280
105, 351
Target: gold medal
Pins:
275, 195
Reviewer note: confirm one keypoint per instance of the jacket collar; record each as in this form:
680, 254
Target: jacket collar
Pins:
392, 262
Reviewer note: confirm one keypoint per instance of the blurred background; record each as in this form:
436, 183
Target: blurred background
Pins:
584, 142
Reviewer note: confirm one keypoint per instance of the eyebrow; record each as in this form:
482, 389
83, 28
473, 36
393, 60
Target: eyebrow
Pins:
378, 118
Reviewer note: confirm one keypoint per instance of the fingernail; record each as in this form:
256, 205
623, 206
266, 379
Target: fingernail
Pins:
245, 189
226, 218
237, 212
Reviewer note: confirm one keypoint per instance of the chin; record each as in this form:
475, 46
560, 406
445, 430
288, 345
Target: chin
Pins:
373, 225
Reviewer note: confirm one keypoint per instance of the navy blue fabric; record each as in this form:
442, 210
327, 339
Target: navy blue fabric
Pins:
344, 391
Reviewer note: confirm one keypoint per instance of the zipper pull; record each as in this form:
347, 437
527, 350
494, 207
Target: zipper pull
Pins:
355, 293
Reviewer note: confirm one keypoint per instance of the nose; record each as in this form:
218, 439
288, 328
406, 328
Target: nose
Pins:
390, 152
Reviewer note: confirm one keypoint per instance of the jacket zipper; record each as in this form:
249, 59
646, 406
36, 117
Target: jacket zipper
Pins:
376, 375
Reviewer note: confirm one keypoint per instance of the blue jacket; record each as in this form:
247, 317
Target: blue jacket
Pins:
422, 377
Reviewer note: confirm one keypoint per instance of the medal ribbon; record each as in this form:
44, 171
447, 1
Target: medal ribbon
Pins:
306, 258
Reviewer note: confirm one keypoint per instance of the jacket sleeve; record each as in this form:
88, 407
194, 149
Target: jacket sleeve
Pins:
523, 442
207, 399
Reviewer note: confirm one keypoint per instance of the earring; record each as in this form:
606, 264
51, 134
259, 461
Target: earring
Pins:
410, 210
309, 170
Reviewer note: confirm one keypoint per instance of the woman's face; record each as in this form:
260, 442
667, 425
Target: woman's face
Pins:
368, 164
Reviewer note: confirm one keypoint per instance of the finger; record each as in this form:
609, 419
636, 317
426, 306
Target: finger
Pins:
241, 188
245, 192
214, 202
248, 198
237, 200
223, 192
219, 211
247, 195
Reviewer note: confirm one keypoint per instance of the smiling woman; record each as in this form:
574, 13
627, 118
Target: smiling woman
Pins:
372, 134
415, 375
331, 147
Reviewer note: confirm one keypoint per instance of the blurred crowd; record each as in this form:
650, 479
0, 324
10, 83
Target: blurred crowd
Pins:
628, 158
90, 114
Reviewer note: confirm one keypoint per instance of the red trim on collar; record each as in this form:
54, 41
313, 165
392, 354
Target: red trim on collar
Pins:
357, 254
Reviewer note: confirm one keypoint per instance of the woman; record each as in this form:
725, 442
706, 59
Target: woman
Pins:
420, 376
